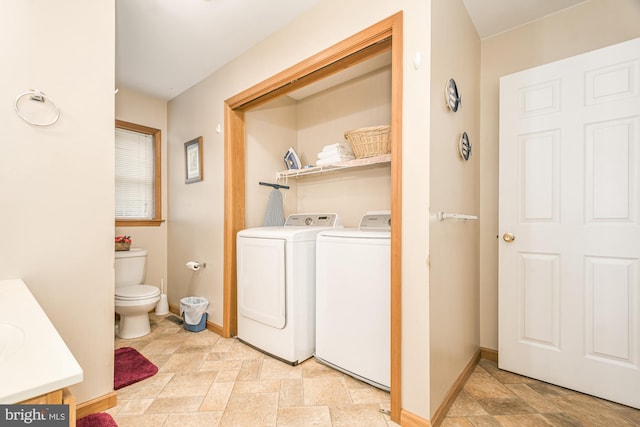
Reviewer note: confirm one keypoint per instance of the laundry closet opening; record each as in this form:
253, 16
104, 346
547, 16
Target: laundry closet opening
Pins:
308, 120
355, 83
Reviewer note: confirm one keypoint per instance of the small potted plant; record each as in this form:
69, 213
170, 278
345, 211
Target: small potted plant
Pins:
123, 243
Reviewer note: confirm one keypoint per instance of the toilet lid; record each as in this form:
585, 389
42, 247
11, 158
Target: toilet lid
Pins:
136, 292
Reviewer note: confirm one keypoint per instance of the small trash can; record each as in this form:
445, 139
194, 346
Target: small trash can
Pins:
194, 313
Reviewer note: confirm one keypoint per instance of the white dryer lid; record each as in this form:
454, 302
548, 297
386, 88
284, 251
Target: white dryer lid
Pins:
297, 228
136, 292
290, 234
355, 233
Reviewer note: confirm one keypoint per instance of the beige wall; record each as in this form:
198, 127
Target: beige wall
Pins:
454, 251
588, 26
196, 211
270, 130
134, 107
56, 189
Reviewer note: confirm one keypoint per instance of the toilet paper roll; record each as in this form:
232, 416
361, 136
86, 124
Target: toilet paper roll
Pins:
193, 265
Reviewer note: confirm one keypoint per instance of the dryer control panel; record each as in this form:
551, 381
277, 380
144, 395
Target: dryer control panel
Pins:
376, 222
313, 220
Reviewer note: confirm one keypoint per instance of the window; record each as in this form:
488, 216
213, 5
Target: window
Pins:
137, 175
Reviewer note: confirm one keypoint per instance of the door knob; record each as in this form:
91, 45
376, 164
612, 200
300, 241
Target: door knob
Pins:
508, 237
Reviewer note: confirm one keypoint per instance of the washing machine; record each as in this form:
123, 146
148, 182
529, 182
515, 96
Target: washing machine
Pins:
276, 273
353, 287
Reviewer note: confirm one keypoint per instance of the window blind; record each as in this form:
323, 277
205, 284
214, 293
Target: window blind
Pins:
134, 175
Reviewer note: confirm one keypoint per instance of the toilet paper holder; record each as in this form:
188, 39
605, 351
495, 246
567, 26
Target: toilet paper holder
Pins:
195, 265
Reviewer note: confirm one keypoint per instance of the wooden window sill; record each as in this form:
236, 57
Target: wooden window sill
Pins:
139, 222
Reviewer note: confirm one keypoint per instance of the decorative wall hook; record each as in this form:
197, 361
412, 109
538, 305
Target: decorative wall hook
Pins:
452, 96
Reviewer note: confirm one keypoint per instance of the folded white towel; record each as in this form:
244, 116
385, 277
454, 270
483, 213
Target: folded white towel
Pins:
333, 159
343, 145
331, 147
335, 152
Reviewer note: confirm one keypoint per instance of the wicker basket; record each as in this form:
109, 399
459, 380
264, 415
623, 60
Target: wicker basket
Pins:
370, 141
123, 246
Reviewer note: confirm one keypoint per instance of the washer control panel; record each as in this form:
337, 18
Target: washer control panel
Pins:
313, 220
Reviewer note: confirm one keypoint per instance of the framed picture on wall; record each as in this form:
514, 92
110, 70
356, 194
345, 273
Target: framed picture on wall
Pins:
193, 160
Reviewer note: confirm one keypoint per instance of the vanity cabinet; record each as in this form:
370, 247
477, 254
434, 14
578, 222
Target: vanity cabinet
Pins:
37, 366
57, 397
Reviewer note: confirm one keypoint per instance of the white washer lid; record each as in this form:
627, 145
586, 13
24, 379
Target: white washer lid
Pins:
136, 292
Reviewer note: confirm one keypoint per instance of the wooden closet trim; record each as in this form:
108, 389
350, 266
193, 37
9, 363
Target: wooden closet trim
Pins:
384, 35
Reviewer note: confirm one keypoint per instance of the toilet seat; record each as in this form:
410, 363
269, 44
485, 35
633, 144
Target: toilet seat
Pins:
136, 292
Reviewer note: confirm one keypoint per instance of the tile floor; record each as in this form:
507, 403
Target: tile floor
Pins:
207, 380
492, 397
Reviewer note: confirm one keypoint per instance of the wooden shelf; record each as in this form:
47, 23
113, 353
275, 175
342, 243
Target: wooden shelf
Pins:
349, 164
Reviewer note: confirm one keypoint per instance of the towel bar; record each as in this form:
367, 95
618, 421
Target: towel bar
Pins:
276, 186
442, 216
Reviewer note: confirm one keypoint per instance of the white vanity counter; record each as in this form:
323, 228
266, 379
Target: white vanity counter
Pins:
34, 359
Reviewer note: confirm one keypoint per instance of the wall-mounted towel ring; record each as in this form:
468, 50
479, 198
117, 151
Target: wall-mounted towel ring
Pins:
37, 96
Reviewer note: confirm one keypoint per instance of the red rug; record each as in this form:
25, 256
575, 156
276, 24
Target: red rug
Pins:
101, 419
131, 367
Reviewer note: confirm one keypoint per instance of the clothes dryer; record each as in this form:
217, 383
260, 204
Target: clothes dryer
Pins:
276, 269
353, 313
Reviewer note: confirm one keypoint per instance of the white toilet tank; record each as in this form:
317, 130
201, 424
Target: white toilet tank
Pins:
130, 267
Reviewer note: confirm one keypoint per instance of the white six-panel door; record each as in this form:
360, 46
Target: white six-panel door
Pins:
569, 250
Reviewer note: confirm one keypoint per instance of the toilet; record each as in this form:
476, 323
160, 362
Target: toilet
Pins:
133, 300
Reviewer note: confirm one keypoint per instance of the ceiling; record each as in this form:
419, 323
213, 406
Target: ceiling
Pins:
492, 17
163, 47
